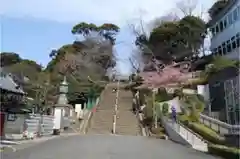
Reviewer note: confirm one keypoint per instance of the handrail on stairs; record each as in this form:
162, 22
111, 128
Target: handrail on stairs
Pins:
115, 109
191, 131
203, 143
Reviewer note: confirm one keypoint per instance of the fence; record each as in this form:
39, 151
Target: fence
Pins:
219, 126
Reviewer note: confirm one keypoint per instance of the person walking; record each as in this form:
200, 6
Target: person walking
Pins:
174, 114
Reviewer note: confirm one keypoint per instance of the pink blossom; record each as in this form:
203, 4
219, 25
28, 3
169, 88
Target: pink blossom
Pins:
169, 75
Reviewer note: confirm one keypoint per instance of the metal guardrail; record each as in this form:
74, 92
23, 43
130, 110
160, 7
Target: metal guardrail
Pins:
219, 126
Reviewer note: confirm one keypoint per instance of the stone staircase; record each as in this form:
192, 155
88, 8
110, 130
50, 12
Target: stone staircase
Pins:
102, 119
126, 123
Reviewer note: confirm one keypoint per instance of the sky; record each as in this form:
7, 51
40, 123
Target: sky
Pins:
33, 28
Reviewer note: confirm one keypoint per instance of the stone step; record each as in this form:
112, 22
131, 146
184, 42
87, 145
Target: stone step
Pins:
101, 127
102, 120
128, 133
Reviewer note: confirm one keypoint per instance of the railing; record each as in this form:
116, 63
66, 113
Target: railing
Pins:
194, 140
139, 114
219, 126
115, 110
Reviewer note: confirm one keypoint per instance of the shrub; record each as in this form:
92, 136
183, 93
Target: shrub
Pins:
147, 121
162, 96
178, 93
183, 119
165, 107
148, 110
158, 132
207, 133
224, 151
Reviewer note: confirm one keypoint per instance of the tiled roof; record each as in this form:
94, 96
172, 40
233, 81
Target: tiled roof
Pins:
7, 83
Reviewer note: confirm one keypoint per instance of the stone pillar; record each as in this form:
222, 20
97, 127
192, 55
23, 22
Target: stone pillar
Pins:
78, 110
58, 120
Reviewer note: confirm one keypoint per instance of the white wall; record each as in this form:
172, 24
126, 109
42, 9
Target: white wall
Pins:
78, 110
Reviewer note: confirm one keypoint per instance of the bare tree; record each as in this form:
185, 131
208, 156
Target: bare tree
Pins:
136, 61
141, 29
93, 60
169, 17
187, 7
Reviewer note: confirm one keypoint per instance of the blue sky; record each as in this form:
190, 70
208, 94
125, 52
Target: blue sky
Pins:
33, 28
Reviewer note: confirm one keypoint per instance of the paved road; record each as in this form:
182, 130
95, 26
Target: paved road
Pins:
106, 147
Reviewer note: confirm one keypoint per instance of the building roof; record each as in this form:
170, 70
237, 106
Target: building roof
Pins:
7, 83
222, 13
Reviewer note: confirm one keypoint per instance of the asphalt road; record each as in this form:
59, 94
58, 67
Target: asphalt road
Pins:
106, 147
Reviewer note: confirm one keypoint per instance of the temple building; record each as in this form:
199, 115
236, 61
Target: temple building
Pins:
12, 96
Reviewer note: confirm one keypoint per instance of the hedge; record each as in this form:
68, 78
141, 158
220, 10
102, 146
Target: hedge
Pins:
224, 151
207, 133
165, 108
158, 132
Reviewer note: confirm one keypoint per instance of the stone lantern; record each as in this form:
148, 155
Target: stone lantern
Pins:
62, 109
63, 90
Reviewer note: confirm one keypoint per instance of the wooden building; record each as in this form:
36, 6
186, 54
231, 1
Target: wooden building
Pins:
12, 96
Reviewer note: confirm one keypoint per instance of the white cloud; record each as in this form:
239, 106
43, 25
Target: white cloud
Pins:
86, 10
